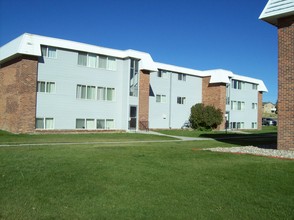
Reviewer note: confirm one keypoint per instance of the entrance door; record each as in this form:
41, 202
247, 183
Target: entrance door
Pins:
133, 117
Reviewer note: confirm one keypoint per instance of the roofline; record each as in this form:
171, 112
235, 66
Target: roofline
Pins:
30, 44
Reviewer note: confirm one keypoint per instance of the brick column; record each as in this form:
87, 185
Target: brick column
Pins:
286, 83
259, 116
215, 94
18, 80
144, 81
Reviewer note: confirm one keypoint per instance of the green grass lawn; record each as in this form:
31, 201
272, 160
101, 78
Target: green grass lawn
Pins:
216, 134
170, 180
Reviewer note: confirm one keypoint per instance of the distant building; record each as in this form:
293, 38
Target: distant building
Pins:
60, 85
281, 14
268, 107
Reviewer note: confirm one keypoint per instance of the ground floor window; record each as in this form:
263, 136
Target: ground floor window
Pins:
237, 125
44, 123
95, 124
254, 125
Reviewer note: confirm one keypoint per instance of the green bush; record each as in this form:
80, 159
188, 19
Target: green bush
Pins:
205, 117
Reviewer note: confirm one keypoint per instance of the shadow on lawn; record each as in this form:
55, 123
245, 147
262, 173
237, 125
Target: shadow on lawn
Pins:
262, 140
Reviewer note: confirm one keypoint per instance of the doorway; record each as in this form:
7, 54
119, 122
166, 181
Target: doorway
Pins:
133, 118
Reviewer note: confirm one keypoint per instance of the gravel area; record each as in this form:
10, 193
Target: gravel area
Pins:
288, 154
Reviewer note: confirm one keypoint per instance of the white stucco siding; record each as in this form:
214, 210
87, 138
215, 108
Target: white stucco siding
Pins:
63, 105
171, 114
248, 115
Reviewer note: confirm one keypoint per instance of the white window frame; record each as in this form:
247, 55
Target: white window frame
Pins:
181, 100
181, 77
44, 121
111, 62
162, 98
45, 51
46, 87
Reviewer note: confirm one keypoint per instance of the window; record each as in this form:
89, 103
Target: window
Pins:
111, 63
254, 86
162, 74
92, 60
85, 123
161, 98
96, 61
254, 125
181, 100
110, 94
100, 124
81, 91
82, 59
101, 93
237, 125
134, 70
46, 87
181, 77
102, 62
109, 124
44, 123
80, 123
48, 52
40, 123
237, 105
90, 124
41, 87
254, 105
236, 84
91, 92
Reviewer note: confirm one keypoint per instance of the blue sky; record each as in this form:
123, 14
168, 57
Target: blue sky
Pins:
198, 34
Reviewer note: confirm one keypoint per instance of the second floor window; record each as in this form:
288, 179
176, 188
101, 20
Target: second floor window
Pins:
46, 87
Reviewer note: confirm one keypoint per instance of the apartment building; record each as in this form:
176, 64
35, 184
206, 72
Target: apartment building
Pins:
50, 84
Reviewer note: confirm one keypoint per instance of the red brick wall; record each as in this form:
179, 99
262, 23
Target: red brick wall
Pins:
260, 110
144, 99
286, 84
214, 94
18, 79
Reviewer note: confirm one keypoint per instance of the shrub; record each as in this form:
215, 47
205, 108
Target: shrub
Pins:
205, 117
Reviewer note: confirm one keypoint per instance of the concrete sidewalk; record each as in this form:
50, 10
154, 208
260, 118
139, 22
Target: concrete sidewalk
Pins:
172, 136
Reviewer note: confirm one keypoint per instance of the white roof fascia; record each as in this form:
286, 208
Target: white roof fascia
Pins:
224, 76
219, 75
260, 83
178, 69
276, 9
146, 61
30, 44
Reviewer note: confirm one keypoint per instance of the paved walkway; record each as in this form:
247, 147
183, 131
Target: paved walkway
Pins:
172, 136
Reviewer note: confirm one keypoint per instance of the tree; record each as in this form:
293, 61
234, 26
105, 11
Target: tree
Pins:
205, 117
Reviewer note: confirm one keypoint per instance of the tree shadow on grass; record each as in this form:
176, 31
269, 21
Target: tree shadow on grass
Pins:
263, 140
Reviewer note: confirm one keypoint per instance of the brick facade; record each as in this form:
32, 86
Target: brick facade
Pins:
286, 83
18, 79
214, 94
144, 81
260, 110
